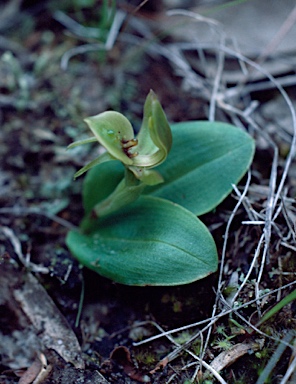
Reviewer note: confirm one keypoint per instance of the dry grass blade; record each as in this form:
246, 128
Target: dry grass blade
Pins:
25, 260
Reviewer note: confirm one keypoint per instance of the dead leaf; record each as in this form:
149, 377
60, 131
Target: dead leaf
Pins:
226, 358
32, 372
160, 366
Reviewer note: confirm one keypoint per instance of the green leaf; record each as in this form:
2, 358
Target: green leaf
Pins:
204, 162
100, 182
152, 242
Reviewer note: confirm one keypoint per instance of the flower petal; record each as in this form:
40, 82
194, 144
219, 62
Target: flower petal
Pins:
114, 132
155, 137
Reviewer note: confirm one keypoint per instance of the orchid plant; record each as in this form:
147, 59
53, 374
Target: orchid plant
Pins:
140, 225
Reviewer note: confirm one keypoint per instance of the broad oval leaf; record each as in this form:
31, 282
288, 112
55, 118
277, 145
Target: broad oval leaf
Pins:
204, 162
152, 242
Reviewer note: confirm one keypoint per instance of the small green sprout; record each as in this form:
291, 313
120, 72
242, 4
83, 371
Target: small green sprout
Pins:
142, 196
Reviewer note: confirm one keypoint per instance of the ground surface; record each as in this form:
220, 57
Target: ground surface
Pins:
47, 87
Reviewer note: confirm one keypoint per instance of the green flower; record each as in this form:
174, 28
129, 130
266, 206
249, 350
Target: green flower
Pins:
138, 154
147, 150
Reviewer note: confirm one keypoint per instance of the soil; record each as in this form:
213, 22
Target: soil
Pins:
61, 323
